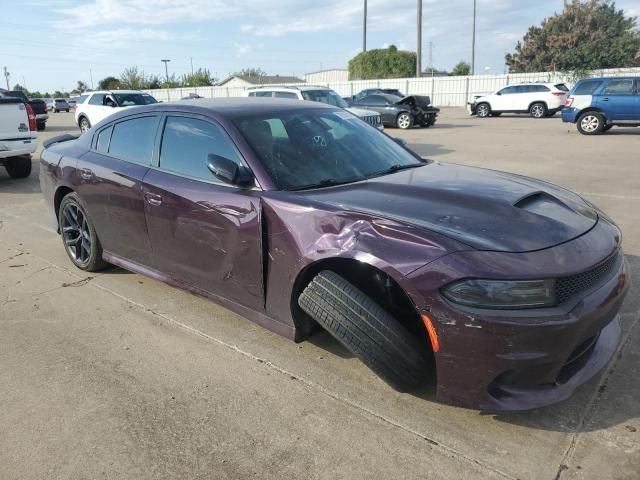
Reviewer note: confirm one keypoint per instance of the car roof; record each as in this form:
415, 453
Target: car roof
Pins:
112, 91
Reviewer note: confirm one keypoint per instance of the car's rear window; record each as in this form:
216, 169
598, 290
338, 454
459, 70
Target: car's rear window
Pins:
60, 100
562, 86
82, 98
587, 87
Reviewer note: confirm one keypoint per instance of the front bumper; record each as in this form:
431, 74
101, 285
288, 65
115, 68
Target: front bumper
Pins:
570, 115
471, 108
519, 360
42, 117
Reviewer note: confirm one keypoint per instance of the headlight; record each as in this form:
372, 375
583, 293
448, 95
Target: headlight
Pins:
502, 294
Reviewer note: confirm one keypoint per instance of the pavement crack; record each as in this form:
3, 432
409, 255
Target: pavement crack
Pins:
595, 399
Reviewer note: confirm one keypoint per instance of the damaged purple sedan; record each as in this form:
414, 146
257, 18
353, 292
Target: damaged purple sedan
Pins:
503, 290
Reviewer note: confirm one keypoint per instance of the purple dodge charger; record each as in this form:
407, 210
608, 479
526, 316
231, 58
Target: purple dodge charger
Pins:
503, 290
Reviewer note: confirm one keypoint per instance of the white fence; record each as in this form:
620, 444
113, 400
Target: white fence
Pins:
444, 91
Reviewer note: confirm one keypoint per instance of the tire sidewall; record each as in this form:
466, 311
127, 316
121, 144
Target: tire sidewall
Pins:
544, 110
410, 123
483, 107
600, 127
94, 261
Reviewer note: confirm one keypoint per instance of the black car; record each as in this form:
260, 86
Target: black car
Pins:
373, 91
401, 112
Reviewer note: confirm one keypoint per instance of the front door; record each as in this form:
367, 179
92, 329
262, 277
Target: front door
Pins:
109, 181
203, 233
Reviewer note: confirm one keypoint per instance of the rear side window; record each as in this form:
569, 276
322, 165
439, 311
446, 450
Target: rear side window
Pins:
562, 87
96, 99
133, 140
286, 95
102, 144
619, 87
187, 143
374, 100
82, 98
260, 94
587, 87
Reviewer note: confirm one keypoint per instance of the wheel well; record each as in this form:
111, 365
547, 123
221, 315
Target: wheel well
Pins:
81, 116
57, 198
589, 110
538, 101
382, 288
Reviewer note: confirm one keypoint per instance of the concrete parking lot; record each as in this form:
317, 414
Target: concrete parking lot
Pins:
114, 375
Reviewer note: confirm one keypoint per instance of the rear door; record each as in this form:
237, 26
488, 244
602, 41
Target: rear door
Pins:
380, 104
203, 232
109, 180
618, 99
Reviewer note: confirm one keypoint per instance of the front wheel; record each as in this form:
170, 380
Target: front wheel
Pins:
591, 123
18, 167
538, 110
483, 110
79, 235
366, 329
404, 121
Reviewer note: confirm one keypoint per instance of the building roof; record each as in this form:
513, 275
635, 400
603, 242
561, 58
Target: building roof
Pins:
264, 79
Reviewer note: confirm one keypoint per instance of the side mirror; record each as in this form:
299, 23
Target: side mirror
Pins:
229, 171
498, 93
400, 141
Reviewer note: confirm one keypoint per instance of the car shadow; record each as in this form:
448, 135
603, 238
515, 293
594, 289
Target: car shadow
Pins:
622, 131
60, 128
429, 149
441, 126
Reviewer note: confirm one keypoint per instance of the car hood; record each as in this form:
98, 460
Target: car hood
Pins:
485, 209
360, 112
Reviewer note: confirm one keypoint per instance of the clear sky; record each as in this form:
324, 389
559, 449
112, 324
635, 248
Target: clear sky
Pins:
53, 43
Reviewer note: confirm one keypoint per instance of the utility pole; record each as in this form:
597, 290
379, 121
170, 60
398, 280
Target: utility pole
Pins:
166, 68
431, 57
24, 83
364, 28
419, 50
191, 58
91, 77
6, 77
473, 41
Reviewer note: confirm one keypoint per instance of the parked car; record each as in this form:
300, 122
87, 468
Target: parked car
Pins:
371, 91
57, 105
401, 112
192, 96
73, 102
596, 105
316, 94
18, 135
539, 100
100, 104
503, 289
38, 106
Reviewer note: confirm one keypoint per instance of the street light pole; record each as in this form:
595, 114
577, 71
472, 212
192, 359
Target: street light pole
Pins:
166, 68
473, 41
419, 50
364, 28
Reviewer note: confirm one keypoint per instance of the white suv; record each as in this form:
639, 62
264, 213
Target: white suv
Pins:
93, 107
537, 99
315, 94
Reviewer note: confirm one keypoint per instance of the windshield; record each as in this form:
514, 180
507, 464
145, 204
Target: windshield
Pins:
149, 99
318, 148
325, 96
130, 99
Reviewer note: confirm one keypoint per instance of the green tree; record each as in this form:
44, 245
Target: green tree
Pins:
171, 82
109, 83
19, 88
80, 87
200, 78
251, 72
461, 69
133, 79
154, 82
382, 63
587, 35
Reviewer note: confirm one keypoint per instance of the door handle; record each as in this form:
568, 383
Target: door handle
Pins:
153, 199
605, 99
86, 174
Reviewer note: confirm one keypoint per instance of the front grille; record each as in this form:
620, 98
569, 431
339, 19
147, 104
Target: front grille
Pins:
567, 287
372, 120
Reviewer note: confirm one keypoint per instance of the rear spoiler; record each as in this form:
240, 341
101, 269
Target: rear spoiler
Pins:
59, 139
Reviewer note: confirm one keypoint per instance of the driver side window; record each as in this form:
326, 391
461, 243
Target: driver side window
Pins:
187, 143
507, 91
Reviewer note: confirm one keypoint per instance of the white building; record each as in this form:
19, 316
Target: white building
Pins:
244, 81
335, 75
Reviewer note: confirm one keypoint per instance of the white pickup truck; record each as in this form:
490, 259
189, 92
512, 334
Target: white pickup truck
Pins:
18, 137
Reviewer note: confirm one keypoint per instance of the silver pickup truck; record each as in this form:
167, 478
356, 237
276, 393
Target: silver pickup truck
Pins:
18, 137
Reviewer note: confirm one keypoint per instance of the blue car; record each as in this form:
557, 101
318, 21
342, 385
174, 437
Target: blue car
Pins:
596, 105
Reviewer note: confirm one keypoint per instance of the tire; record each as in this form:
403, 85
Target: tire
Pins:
404, 121
483, 110
67, 110
590, 123
607, 128
365, 329
42, 126
84, 124
79, 235
496, 114
538, 110
18, 167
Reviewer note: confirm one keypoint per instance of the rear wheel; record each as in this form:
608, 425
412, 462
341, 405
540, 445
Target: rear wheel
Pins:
538, 110
84, 124
483, 110
590, 123
79, 236
41, 126
366, 329
67, 110
18, 167
404, 121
